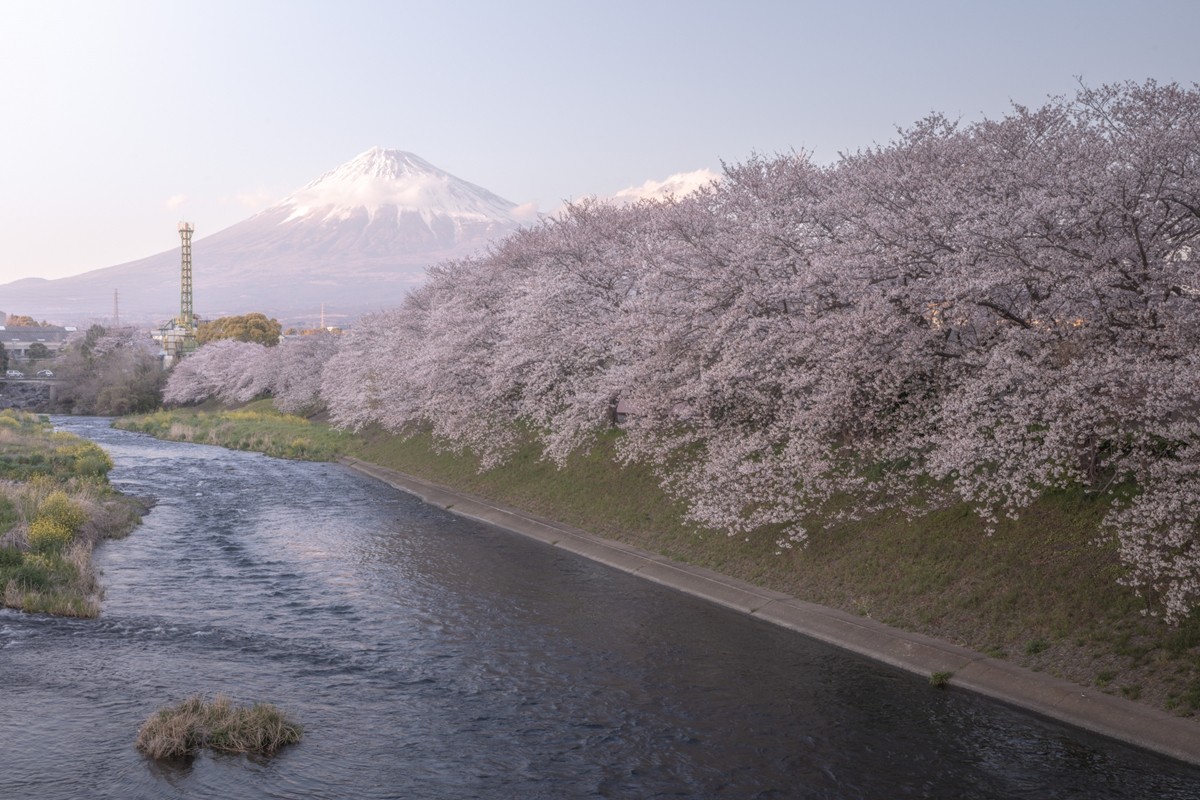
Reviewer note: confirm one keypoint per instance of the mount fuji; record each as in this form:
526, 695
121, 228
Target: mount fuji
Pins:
355, 239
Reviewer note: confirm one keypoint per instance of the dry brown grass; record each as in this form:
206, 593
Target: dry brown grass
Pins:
181, 433
180, 731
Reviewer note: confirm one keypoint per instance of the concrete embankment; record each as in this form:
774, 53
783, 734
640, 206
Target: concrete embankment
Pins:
1039, 693
30, 395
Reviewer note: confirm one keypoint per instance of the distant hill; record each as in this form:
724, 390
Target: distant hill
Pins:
355, 239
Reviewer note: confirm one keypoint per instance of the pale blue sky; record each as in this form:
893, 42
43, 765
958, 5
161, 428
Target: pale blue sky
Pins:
118, 118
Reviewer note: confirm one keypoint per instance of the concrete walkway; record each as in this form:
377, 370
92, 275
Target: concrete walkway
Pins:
1091, 710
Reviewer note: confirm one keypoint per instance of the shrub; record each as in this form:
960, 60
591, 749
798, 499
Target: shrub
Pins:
48, 535
83, 458
96, 464
61, 509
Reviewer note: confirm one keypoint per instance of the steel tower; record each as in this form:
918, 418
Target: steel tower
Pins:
178, 337
186, 319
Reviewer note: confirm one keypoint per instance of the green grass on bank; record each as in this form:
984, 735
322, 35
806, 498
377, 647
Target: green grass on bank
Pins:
255, 426
1040, 591
55, 505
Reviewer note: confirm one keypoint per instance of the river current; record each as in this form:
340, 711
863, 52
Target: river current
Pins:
432, 657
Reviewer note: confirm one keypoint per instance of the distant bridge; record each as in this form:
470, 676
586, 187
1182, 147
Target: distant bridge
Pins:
29, 394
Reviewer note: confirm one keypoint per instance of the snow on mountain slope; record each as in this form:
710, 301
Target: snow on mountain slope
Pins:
397, 182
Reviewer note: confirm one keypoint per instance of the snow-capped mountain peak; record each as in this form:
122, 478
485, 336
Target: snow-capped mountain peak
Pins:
394, 182
358, 239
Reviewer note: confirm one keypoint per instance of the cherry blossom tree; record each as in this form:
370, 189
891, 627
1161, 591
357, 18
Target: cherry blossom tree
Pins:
459, 313
722, 337
357, 381
230, 370
976, 312
294, 370
565, 345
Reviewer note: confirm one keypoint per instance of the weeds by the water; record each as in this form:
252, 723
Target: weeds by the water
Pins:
29, 446
254, 427
55, 505
940, 680
196, 723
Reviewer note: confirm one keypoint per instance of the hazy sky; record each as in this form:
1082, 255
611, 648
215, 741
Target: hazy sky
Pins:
117, 119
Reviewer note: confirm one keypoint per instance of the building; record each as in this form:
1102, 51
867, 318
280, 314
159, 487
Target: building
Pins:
18, 340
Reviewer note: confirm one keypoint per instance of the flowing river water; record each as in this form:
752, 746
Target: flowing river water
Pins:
433, 657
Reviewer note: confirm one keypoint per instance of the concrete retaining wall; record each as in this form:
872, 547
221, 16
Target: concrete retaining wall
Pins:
30, 395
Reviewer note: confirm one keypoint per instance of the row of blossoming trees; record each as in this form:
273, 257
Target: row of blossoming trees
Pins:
972, 312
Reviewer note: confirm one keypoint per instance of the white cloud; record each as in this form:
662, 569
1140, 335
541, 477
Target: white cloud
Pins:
677, 185
176, 200
526, 212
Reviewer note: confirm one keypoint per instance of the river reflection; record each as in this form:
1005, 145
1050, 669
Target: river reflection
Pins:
432, 657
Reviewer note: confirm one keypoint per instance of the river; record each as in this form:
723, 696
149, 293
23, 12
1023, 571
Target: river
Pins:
433, 657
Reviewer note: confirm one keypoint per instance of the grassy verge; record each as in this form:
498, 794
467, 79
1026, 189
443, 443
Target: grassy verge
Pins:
1040, 591
55, 505
180, 731
255, 426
